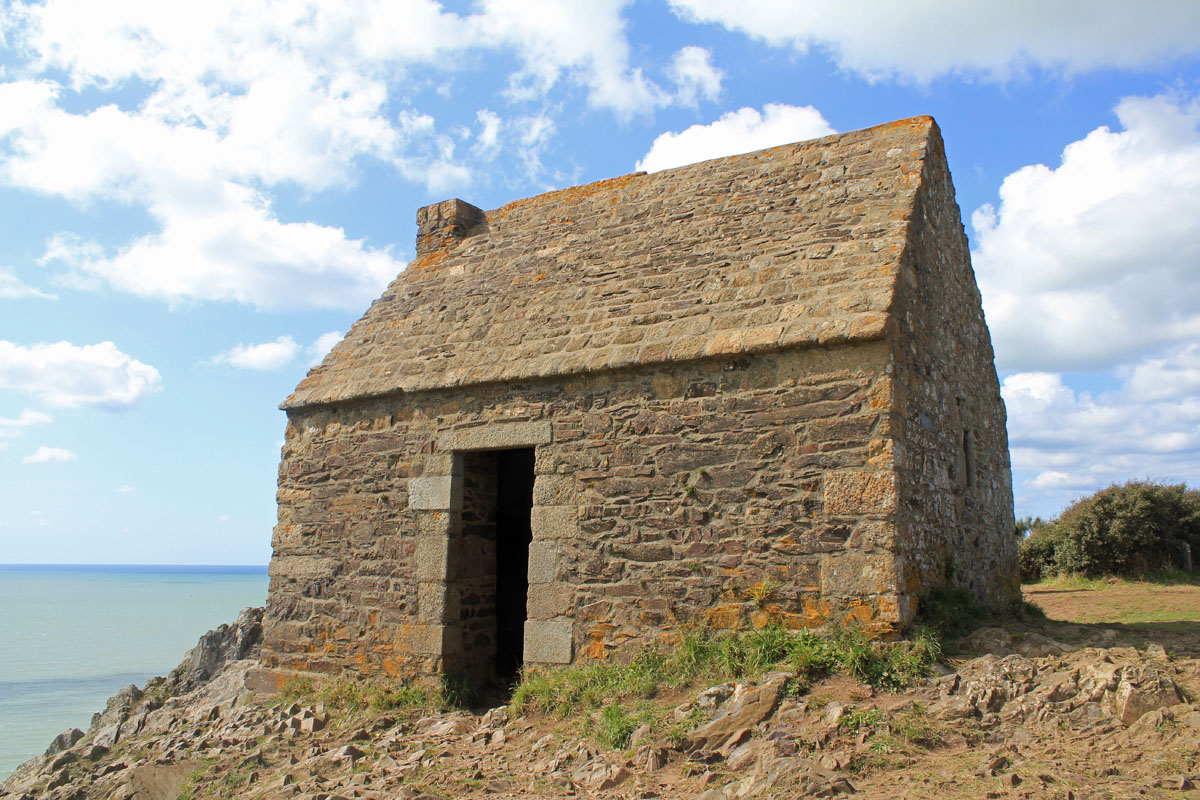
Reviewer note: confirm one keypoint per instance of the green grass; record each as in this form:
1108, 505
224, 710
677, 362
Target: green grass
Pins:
889, 736
353, 696
187, 789
707, 656
1166, 577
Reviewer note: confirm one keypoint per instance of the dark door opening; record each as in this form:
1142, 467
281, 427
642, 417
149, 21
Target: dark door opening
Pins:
514, 502
493, 583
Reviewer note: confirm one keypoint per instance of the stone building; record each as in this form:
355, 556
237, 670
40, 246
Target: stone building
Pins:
756, 387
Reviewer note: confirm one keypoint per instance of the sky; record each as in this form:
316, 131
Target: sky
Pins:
198, 199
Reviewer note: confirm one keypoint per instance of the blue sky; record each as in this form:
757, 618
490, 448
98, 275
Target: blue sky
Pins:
197, 200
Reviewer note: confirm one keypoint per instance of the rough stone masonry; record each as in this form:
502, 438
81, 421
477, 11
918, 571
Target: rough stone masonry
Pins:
756, 388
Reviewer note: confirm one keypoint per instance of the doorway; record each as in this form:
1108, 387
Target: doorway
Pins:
494, 582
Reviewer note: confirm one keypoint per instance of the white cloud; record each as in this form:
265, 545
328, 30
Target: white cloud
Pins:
219, 237
64, 375
12, 428
265, 356
126, 489
238, 252
12, 287
49, 455
1054, 479
740, 131
1166, 377
488, 140
1064, 441
243, 97
324, 343
695, 76
584, 42
1095, 263
919, 41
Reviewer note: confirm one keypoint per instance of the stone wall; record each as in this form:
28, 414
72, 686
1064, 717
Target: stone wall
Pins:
723, 489
952, 462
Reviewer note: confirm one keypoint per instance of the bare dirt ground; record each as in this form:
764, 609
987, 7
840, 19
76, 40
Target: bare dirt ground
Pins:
1087, 704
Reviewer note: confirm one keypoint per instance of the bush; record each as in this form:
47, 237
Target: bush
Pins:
1035, 553
1126, 529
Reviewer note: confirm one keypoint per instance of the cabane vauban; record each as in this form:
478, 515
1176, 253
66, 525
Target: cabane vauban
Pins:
759, 386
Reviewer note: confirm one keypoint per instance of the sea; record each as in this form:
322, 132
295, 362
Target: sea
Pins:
72, 636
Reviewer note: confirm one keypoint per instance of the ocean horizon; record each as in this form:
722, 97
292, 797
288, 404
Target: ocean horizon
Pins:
72, 635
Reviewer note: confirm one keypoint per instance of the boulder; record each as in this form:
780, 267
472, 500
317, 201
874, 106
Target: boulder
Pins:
1142, 690
743, 711
64, 741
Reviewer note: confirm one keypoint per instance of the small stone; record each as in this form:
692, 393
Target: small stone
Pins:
62, 759
834, 713
639, 735
60, 778
349, 752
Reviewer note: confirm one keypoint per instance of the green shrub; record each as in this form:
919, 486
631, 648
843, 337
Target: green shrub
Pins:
1127, 529
1036, 552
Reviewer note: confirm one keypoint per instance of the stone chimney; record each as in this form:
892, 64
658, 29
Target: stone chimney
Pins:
444, 224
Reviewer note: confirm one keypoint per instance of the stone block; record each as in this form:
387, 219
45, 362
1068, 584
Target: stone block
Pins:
854, 493
543, 562
549, 600
443, 464
497, 436
554, 522
555, 490
423, 639
302, 568
850, 573
437, 523
437, 602
548, 641
435, 493
433, 558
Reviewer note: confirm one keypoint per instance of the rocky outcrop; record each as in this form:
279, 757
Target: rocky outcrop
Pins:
230, 642
1113, 721
211, 673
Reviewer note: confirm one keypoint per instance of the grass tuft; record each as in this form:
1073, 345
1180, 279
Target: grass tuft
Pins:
707, 656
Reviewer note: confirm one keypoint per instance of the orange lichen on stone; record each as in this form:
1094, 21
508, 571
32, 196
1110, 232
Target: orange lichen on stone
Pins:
427, 261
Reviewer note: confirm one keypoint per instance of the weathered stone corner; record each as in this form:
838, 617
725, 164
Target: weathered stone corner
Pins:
443, 224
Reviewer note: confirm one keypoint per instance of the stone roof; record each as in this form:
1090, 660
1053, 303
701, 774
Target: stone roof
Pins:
793, 246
